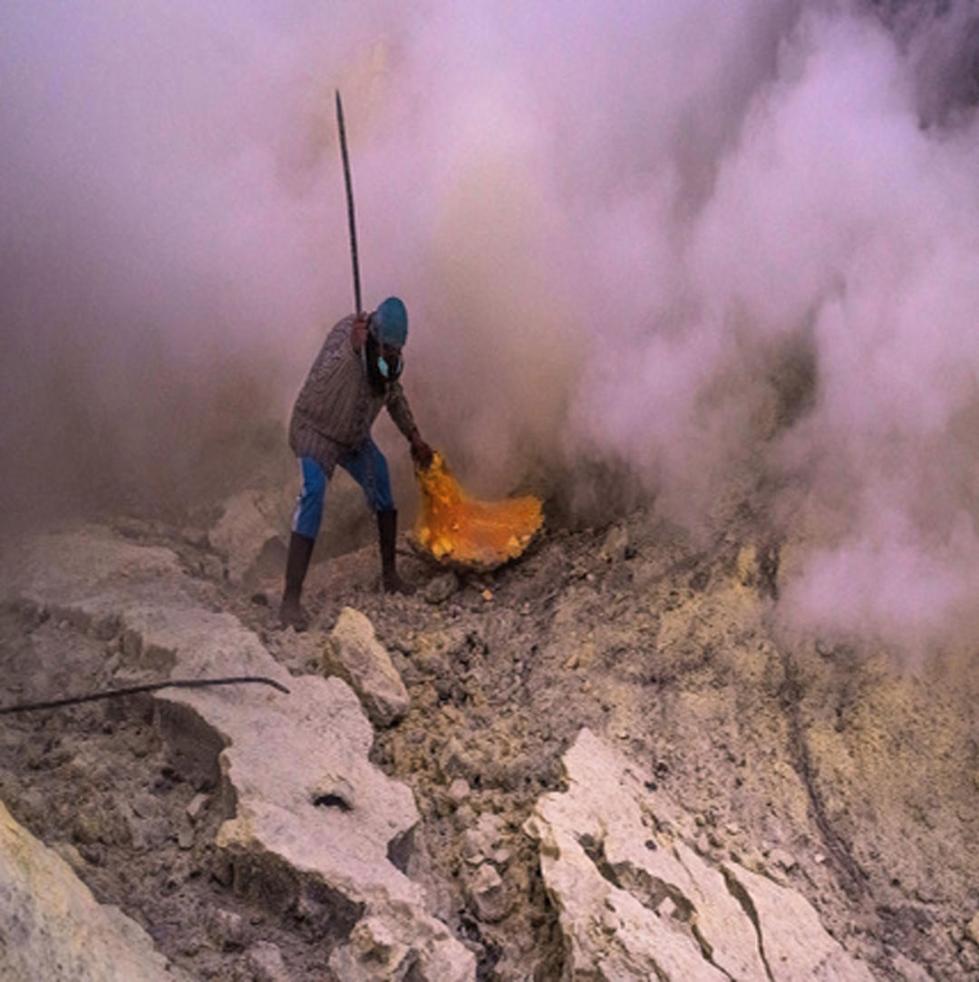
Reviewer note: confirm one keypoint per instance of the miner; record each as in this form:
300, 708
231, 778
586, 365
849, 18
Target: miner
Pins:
356, 372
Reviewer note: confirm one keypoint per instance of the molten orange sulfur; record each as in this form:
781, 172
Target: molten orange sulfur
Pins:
457, 530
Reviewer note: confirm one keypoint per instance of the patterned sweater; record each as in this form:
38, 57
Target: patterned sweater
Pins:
336, 406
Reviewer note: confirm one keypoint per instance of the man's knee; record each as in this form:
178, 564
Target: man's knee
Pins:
378, 489
369, 468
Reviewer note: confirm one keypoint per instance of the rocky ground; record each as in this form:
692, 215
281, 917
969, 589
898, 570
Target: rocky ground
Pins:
607, 761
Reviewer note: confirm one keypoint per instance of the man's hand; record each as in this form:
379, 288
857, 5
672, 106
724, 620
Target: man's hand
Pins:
421, 452
358, 336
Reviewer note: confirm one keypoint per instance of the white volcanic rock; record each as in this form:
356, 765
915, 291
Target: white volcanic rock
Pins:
52, 928
251, 531
353, 653
311, 820
635, 902
487, 893
388, 947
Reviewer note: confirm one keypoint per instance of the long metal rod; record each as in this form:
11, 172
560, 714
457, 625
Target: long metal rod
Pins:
351, 221
134, 689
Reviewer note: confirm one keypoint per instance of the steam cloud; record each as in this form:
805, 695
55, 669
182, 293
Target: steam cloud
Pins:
718, 246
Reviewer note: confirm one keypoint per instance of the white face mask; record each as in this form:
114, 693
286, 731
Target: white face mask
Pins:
388, 370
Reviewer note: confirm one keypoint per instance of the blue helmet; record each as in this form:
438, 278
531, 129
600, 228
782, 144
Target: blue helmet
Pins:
389, 324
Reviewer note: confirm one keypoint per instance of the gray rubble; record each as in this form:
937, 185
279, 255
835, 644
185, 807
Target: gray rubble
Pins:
52, 928
818, 768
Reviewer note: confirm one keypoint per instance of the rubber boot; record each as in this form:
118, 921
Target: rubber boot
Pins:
387, 530
297, 563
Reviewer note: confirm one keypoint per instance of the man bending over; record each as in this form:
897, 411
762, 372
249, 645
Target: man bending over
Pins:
353, 376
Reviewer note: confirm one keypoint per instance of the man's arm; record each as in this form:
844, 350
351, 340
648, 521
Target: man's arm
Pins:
400, 412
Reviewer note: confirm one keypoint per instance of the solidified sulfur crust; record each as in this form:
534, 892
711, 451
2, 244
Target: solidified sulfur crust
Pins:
456, 529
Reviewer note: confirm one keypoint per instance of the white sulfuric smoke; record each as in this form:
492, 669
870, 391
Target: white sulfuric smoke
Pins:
618, 228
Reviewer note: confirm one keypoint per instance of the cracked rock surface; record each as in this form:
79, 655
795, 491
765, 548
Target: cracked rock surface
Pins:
635, 901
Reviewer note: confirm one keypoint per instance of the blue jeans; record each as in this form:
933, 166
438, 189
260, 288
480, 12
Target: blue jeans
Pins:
365, 464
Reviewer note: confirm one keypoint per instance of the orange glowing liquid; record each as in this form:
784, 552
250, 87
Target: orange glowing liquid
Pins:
456, 529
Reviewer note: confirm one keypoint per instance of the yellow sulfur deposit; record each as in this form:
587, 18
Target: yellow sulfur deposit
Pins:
458, 530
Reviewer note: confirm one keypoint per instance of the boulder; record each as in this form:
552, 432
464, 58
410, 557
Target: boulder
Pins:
441, 587
972, 929
386, 947
353, 653
266, 964
615, 546
251, 534
479, 842
487, 893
